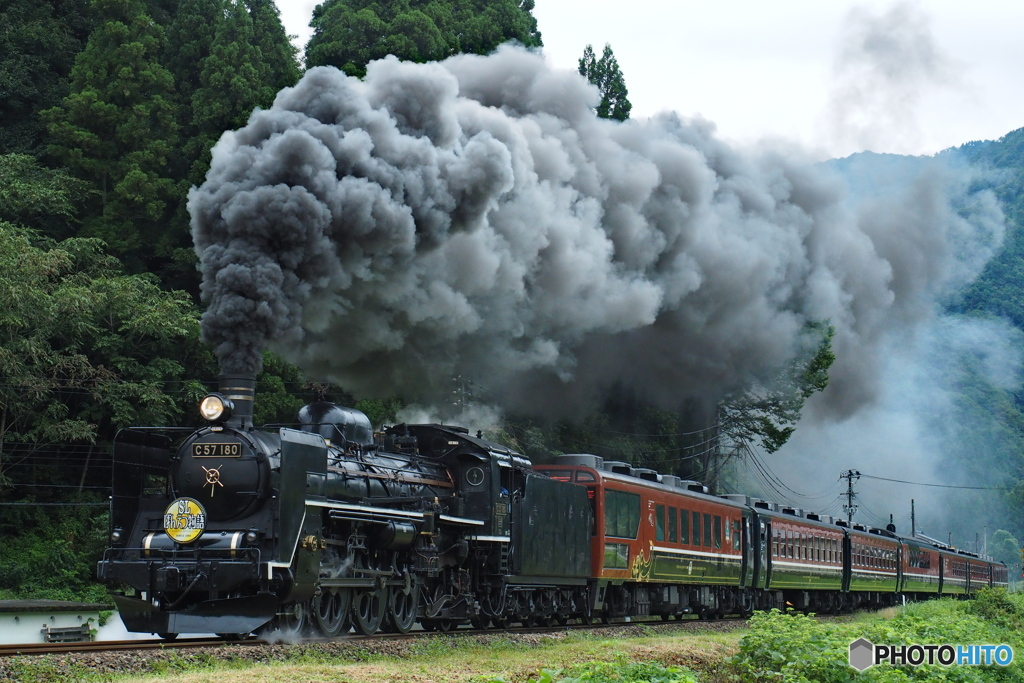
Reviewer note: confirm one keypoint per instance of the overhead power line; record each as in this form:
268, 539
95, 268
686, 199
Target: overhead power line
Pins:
941, 486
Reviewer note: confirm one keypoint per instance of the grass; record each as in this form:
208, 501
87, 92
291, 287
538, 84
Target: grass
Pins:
771, 647
464, 660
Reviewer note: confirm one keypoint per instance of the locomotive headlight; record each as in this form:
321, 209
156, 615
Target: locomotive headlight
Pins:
116, 535
215, 408
252, 537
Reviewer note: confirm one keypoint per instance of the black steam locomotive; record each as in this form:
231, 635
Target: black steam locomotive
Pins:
234, 529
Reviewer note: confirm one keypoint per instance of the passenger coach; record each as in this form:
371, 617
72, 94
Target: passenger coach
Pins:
663, 546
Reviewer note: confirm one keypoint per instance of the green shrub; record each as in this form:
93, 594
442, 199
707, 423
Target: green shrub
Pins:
794, 648
614, 672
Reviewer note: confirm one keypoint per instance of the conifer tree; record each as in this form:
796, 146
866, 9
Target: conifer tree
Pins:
278, 66
117, 129
38, 44
190, 34
606, 75
230, 83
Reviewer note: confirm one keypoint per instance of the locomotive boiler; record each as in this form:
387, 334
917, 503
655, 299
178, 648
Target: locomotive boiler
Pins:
232, 529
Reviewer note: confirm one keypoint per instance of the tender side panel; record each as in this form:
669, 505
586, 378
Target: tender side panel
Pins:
553, 529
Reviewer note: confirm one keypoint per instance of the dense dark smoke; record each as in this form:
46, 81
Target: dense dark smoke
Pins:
474, 216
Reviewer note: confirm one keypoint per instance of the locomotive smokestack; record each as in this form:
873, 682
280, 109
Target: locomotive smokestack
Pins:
239, 389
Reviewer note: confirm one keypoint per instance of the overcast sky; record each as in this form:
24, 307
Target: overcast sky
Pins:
906, 77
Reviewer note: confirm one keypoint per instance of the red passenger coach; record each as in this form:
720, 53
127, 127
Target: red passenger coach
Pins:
663, 546
1000, 577
658, 542
980, 573
920, 571
954, 573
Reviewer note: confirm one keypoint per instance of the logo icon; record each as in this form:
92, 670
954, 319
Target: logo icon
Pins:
184, 520
862, 654
213, 479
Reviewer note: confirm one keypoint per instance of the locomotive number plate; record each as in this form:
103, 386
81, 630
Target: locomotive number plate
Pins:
216, 450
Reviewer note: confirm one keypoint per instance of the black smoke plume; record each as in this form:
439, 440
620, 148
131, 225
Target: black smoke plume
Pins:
475, 217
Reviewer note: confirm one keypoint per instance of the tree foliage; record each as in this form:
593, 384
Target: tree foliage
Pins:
277, 63
118, 129
38, 44
768, 411
84, 348
349, 34
607, 76
1005, 548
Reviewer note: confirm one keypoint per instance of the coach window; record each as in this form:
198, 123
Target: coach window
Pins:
696, 528
659, 523
737, 534
684, 526
673, 516
718, 531
791, 543
707, 530
621, 514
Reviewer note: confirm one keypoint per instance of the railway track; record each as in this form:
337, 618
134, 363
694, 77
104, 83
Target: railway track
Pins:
31, 649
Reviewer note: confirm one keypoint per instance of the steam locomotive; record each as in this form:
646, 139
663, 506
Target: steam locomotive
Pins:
231, 529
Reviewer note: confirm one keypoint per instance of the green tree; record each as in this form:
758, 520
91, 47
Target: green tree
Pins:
349, 34
118, 130
37, 197
769, 411
606, 75
84, 349
230, 85
1005, 548
278, 65
38, 44
190, 35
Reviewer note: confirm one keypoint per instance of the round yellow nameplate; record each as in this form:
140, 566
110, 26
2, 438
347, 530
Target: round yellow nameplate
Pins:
184, 520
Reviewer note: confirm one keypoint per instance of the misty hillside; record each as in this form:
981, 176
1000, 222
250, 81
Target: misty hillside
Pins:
962, 392
1000, 289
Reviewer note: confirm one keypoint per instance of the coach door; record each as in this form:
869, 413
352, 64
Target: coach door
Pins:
747, 548
762, 560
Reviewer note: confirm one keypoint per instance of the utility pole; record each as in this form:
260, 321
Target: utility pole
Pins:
461, 393
850, 476
913, 521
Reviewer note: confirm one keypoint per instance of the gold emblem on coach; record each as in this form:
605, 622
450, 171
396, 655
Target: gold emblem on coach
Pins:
184, 520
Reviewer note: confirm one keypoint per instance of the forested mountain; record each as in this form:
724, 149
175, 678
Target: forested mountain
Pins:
998, 291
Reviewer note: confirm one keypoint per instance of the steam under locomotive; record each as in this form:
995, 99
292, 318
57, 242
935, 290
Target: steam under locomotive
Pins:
232, 529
